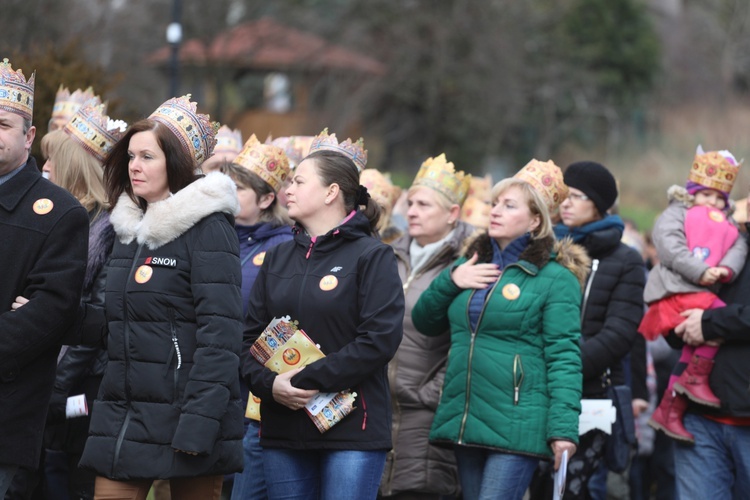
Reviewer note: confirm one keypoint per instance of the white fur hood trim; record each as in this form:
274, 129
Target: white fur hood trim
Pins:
166, 220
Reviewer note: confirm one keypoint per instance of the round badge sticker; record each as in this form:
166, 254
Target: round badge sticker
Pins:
291, 356
328, 283
716, 216
258, 259
43, 206
143, 274
256, 399
511, 291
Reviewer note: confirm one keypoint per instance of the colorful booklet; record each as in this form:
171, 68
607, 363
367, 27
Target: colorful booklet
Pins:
283, 346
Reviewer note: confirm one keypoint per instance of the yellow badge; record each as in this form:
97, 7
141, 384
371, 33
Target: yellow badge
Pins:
258, 259
143, 274
716, 216
328, 283
292, 356
511, 291
43, 206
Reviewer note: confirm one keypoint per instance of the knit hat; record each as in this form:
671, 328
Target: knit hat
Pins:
595, 181
715, 170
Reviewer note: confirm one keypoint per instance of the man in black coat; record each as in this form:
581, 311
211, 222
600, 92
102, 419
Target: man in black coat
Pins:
43, 245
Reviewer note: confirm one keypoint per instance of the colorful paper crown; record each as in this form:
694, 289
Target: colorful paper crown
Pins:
93, 130
228, 142
196, 131
481, 188
296, 147
16, 93
547, 179
476, 212
714, 170
67, 104
264, 160
380, 187
354, 150
439, 174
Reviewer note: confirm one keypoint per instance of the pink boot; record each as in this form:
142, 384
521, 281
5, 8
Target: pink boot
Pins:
668, 417
693, 382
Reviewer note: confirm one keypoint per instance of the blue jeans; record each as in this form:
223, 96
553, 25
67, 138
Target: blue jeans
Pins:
6, 477
250, 484
718, 465
322, 474
489, 475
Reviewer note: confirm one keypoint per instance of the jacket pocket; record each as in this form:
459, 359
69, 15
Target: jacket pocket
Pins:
517, 378
175, 352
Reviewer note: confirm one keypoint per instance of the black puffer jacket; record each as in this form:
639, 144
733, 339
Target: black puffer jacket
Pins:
358, 323
174, 315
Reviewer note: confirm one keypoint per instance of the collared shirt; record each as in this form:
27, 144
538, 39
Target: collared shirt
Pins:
6, 177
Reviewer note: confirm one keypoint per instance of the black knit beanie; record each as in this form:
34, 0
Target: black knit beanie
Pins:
595, 181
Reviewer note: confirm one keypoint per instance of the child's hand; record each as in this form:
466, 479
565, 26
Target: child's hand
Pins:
712, 275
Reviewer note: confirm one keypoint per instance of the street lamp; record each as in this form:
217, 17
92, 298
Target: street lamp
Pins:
174, 38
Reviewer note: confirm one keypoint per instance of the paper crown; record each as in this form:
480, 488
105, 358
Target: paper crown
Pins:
354, 150
476, 212
547, 179
439, 174
296, 147
380, 187
16, 93
714, 170
66, 104
196, 132
481, 188
93, 130
264, 160
228, 142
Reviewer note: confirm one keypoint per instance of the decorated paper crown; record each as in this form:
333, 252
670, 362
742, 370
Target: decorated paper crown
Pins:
196, 131
481, 188
265, 160
354, 150
93, 130
16, 93
440, 174
714, 170
296, 147
66, 104
547, 179
380, 187
228, 142
476, 212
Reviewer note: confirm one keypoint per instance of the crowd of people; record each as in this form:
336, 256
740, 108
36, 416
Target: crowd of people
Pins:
201, 317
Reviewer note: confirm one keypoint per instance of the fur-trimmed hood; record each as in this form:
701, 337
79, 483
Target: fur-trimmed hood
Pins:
678, 194
166, 220
539, 252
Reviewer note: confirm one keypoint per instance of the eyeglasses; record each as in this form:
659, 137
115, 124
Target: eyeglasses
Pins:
578, 197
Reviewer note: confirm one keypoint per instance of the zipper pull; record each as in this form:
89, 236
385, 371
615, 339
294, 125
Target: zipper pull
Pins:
515, 395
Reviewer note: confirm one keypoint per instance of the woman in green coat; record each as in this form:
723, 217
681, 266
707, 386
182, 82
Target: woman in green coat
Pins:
512, 388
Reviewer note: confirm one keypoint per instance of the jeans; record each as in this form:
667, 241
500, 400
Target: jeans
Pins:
6, 477
322, 474
489, 475
718, 465
250, 484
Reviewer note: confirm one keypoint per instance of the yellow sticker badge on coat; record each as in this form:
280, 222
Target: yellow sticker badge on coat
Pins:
143, 274
43, 206
258, 259
716, 216
328, 283
511, 291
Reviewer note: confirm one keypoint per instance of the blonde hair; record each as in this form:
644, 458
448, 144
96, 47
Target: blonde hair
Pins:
534, 201
76, 170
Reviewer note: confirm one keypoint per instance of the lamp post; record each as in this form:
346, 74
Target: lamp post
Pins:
174, 38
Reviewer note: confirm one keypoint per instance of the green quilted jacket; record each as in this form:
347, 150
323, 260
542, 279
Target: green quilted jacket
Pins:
514, 384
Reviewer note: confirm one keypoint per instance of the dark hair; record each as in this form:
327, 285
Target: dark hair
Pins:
180, 164
336, 168
274, 213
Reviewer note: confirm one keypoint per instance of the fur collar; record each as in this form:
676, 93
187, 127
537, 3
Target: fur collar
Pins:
166, 220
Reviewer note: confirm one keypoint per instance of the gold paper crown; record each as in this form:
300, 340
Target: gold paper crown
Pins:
547, 179
714, 171
196, 132
93, 130
439, 174
264, 160
228, 142
66, 104
481, 188
354, 150
476, 212
16, 93
380, 187
296, 147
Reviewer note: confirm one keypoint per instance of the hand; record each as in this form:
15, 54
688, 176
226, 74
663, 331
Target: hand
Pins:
558, 447
286, 394
473, 275
712, 275
639, 406
20, 301
691, 330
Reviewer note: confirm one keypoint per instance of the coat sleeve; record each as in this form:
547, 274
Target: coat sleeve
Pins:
53, 288
671, 245
430, 313
380, 327
215, 284
731, 323
736, 256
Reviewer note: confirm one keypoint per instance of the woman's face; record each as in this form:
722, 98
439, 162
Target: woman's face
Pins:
147, 167
428, 220
49, 169
577, 209
251, 207
306, 193
511, 216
